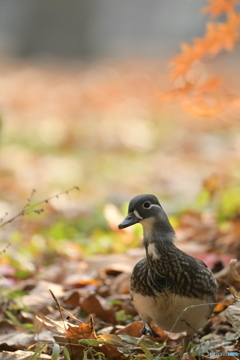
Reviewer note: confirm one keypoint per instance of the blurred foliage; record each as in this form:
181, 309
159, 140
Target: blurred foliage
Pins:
220, 196
42, 239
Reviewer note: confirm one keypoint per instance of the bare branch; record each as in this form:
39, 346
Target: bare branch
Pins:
28, 208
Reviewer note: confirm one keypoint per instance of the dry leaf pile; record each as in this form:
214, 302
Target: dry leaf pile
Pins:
86, 310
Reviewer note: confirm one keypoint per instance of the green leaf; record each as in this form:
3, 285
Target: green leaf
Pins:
93, 342
128, 338
55, 352
66, 353
148, 354
13, 318
15, 294
37, 353
22, 274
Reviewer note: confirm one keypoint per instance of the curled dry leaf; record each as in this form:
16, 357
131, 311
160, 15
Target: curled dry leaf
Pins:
57, 326
232, 314
72, 334
83, 331
233, 264
86, 332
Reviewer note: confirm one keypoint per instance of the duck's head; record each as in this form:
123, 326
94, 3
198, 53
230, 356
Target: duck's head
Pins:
141, 207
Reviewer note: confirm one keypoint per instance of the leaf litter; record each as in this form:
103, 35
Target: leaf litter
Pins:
84, 307
93, 329
91, 314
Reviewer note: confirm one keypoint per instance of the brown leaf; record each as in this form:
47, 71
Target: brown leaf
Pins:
110, 351
235, 274
134, 329
72, 298
83, 331
93, 305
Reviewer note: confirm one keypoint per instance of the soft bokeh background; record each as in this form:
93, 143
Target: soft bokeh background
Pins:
80, 86
82, 105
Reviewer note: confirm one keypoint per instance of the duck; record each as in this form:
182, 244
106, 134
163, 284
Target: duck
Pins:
169, 287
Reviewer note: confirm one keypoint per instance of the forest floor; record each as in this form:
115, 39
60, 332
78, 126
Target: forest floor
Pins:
102, 132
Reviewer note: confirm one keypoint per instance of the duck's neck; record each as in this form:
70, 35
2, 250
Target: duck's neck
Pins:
158, 235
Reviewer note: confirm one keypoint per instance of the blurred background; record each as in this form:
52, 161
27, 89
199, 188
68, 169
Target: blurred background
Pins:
80, 104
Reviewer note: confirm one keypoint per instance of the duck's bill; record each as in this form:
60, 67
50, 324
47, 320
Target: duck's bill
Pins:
129, 220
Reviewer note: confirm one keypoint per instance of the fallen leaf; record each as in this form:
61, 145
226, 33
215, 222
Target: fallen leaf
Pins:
56, 327
93, 304
72, 298
40, 297
112, 338
21, 355
134, 329
83, 331
16, 340
232, 314
233, 263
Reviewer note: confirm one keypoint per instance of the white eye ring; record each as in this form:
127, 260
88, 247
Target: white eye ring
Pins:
146, 205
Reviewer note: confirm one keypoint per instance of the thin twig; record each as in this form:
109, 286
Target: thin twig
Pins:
30, 208
71, 315
59, 309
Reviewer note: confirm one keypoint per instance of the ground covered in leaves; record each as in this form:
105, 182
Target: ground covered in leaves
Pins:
80, 308
65, 266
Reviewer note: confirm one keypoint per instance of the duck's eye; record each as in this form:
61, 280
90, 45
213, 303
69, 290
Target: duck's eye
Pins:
146, 205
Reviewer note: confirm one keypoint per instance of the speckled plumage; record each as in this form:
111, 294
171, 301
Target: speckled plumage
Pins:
170, 287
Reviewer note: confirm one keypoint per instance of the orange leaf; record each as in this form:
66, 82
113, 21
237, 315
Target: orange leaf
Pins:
218, 7
200, 108
212, 183
211, 84
222, 306
83, 331
179, 92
